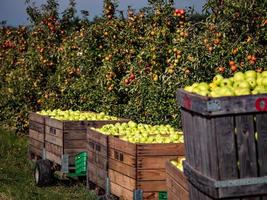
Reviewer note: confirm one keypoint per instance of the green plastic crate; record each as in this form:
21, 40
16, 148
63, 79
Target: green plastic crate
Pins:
163, 195
80, 165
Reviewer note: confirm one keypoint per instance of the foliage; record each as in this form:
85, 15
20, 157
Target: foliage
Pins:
130, 66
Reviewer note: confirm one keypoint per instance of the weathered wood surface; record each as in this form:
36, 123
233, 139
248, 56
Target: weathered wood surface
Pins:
220, 106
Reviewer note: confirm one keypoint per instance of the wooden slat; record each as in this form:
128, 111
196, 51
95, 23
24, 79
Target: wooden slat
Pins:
35, 150
37, 117
120, 191
152, 186
54, 123
122, 157
121, 145
57, 150
172, 196
261, 128
36, 135
37, 144
54, 131
176, 188
97, 137
74, 134
53, 139
225, 133
122, 168
75, 144
151, 174
239, 104
120, 179
97, 176
53, 157
97, 148
97, 159
153, 162
75, 125
247, 154
178, 176
160, 149
36, 126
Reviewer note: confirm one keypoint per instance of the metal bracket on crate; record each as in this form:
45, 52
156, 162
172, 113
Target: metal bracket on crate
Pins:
65, 163
107, 186
43, 154
138, 194
214, 105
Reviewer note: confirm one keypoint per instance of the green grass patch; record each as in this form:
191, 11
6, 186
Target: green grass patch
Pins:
16, 175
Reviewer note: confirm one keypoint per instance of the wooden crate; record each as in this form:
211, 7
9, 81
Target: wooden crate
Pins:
67, 137
225, 140
133, 167
177, 186
36, 134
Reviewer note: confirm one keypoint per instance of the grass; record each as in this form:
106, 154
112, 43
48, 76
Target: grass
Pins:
16, 175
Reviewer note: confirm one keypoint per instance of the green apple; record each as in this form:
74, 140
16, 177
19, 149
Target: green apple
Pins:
252, 82
264, 81
250, 74
203, 86
259, 80
226, 82
239, 76
259, 89
217, 79
264, 74
188, 88
241, 84
241, 91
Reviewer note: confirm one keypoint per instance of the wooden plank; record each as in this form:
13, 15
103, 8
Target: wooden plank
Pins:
153, 162
75, 144
122, 168
176, 188
36, 151
120, 191
54, 131
57, 150
73, 152
225, 132
97, 137
122, 157
118, 144
37, 144
36, 135
37, 117
98, 160
239, 104
172, 196
36, 126
75, 125
188, 130
152, 186
53, 139
261, 129
74, 134
53, 157
54, 123
247, 154
97, 176
120, 179
151, 174
160, 149
177, 175
97, 148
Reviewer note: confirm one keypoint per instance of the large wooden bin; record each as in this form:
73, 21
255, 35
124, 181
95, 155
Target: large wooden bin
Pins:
226, 145
36, 135
177, 186
139, 169
67, 138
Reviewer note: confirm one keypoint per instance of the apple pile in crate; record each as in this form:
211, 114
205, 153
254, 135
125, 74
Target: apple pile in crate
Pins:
178, 163
249, 82
143, 133
70, 115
